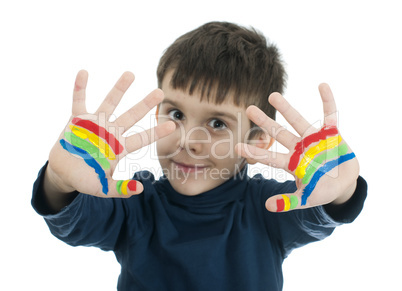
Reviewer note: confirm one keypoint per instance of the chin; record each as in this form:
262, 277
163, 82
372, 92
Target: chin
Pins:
191, 187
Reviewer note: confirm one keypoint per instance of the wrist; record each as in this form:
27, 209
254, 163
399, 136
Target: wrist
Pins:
56, 194
346, 195
53, 183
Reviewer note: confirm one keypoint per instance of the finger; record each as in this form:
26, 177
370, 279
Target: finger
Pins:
79, 93
263, 156
295, 119
329, 106
147, 137
138, 111
283, 203
124, 188
275, 130
113, 98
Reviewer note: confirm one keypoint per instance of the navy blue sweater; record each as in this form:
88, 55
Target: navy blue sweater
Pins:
223, 239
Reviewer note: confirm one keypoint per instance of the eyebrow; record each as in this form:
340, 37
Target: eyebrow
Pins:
164, 101
224, 114
213, 113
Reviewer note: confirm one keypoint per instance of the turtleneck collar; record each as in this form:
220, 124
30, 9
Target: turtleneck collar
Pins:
230, 190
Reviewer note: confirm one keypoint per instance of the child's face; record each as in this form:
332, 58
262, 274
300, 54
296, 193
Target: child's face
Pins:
199, 155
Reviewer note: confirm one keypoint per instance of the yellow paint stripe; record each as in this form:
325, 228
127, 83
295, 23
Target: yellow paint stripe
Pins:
95, 140
323, 145
124, 187
287, 202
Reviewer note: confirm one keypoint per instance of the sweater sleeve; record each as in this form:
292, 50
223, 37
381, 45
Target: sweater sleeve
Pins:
87, 221
297, 228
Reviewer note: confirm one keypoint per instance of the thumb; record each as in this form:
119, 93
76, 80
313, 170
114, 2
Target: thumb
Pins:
124, 188
282, 203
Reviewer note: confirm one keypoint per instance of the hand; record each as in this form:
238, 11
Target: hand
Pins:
324, 167
89, 148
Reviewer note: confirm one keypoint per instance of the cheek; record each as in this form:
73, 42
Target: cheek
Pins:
168, 140
223, 148
162, 146
168, 147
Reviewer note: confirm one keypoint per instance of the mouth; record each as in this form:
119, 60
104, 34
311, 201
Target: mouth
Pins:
189, 168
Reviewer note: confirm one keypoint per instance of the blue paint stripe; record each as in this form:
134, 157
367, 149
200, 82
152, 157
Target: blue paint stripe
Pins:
90, 162
321, 172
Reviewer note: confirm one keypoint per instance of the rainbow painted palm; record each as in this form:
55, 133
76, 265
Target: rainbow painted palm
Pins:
94, 144
318, 160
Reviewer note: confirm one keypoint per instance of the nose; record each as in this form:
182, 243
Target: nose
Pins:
194, 140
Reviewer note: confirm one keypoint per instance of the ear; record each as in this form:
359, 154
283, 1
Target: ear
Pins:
262, 141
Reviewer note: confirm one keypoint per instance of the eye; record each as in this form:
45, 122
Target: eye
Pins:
175, 114
217, 124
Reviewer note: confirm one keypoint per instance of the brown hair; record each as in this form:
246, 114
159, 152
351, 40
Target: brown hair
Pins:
222, 59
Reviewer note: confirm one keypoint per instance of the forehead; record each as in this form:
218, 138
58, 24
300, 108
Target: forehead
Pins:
210, 90
196, 99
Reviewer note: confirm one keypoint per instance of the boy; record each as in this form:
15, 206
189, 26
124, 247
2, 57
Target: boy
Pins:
203, 225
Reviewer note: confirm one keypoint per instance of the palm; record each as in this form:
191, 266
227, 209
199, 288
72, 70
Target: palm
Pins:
88, 167
90, 147
320, 160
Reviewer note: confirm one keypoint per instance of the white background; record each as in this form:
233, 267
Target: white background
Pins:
355, 46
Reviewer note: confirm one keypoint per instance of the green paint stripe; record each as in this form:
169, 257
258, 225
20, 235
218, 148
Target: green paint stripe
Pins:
89, 148
118, 186
328, 155
294, 201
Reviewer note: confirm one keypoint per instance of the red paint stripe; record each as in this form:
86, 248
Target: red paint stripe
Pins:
307, 141
132, 185
280, 205
101, 132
